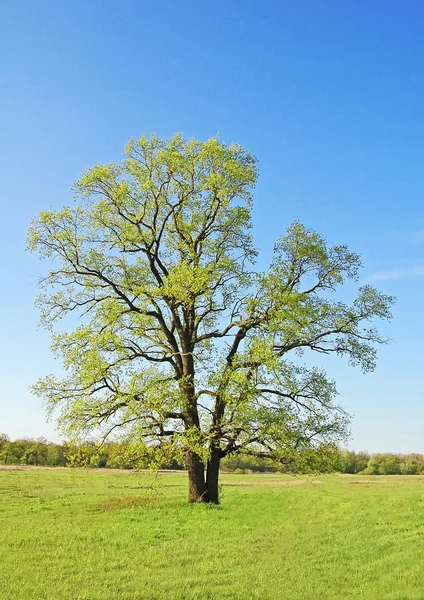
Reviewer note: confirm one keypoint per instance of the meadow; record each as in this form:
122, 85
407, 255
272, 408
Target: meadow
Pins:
108, 535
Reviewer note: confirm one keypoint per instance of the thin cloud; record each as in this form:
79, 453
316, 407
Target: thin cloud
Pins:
417, 271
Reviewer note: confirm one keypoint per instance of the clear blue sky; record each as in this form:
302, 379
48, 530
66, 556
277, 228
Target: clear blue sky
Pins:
328, 95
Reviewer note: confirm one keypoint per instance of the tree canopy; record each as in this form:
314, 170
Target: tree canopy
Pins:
180, 340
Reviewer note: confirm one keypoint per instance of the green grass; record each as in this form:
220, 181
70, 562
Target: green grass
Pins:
85, 535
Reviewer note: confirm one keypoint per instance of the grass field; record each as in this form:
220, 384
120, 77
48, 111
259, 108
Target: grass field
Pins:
98, 535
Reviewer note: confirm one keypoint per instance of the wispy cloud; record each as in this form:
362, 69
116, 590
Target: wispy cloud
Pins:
417, 271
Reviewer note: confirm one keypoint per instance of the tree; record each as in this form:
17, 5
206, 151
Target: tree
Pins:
348, 462
7, 453
55, 455
180, 340
12, 452
36, 452
4, 439
353, 462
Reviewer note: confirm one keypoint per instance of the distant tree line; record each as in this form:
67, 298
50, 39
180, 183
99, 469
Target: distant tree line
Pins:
115, 455
380, 464
31, 452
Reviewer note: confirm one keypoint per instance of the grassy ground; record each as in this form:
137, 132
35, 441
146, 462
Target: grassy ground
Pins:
84, 535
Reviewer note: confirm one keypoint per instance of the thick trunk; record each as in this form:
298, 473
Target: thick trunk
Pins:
197, 491
212, 476
196, 469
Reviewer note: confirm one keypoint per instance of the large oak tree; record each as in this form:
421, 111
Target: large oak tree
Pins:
180, 341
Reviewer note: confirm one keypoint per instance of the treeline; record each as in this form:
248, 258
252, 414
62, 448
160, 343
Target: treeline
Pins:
114, 455
380, 464
38, 452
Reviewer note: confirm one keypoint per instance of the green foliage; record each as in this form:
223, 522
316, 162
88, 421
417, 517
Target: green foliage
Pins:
181, 342
379, 464
241, 463
38, 452
135, 454
352, 462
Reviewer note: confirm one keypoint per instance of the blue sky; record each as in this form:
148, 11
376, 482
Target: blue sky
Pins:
328, 95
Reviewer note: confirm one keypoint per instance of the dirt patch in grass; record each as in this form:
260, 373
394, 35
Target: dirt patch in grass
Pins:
384, 479
125, 502
365, 482
272, 483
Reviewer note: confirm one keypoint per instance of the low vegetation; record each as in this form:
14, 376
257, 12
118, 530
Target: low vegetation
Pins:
98, 535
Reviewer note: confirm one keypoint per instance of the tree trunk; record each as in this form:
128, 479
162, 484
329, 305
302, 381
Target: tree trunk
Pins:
197, 491
212, 476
